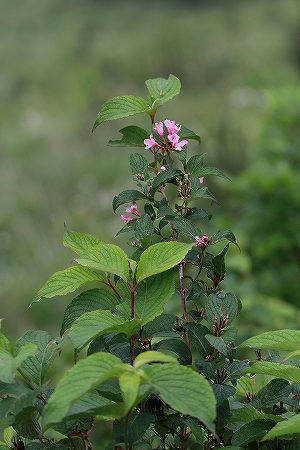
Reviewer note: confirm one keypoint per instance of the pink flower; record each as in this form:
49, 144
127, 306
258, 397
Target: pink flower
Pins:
202, 241
171, 126
163, 168
160, 128
173, 138
201, 180
149, 143
133, 210
126, 218
180, 144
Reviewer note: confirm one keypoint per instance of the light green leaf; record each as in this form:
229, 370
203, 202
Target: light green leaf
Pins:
132, 136
289, 426
160, 257
162, 90
120, 107
152, 356
101, 298
79, 242
129, 385
4, 343
108, 258
80, 379
278, 370
184, 390
249, 413
66, 281
275, 340
35, 367
9, 363
291, 355
94, 323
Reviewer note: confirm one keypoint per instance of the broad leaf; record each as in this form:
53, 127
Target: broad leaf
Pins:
9, 363
127, 197
80, 379
66, 281
185, 133
194, 163
175, 347
286, 427
129, 385
152, 356
35, 367
108, 258
26, 423
278, 370
160, 257
161, 90
197, 333
184, 390
218, 343
201, 171
94, 323
101, 298
138, 163
224, 235
79, 242
252, 431
144, 227
275, 391
163, 178
120, 107
275, 340
132, 136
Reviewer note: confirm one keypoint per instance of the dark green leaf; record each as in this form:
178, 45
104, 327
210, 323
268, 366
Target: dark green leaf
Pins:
163, 178
158, 326
218, 343
223, 391
252, 431
194, 163
175, 347
275, 391
138, 163
127, 197
132, 136
26, 423
144, 227
185, 133
224, 235
197, 333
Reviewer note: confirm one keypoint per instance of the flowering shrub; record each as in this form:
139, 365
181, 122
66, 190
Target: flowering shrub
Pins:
165, 381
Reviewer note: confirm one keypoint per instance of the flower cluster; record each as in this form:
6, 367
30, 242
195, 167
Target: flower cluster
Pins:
172, 142
131, 209
202, 241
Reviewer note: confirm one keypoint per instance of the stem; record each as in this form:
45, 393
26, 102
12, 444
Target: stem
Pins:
183, 304
132, 291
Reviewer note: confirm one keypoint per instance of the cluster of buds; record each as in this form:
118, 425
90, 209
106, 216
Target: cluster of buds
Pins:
202, 241
132, 209
170, 139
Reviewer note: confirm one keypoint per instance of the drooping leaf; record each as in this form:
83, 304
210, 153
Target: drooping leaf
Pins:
120, 107
184, 390
94, 323
163, 90
144, 227
129, 385
66, 281
278, 370
275, 340
107, 258
79, 242
160, 257
132, 136
80, 379
36, 366
101, 298
286, 427
127, 197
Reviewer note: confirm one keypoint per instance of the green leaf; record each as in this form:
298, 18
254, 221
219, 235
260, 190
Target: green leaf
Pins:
184, 390
101, 298
9, 363
222, 392
26, 423
138, 163
252, 431
36, 367
247, 414
289, 426
163, 178
120, 107
175, 347
161, 257
278, 370
275, 391
137, 426
79, 242
275, 340
184, 226
144, 227
4, 343
163, 90
197, 333
94, 323
108, 258
291, 355
218, 343
66, 281
152, 356
224, 235
194, 164
201, 171
80, 379
217, 308
185, 133
152, 295
132, 136
127, 197
160, 325
129, 385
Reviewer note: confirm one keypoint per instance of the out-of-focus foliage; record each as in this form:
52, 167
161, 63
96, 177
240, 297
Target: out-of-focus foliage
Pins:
61, 60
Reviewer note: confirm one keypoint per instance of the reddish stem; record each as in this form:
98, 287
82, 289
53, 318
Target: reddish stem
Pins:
132, 292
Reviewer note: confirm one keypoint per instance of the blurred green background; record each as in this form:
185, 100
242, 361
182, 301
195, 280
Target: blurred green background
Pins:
239, 63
